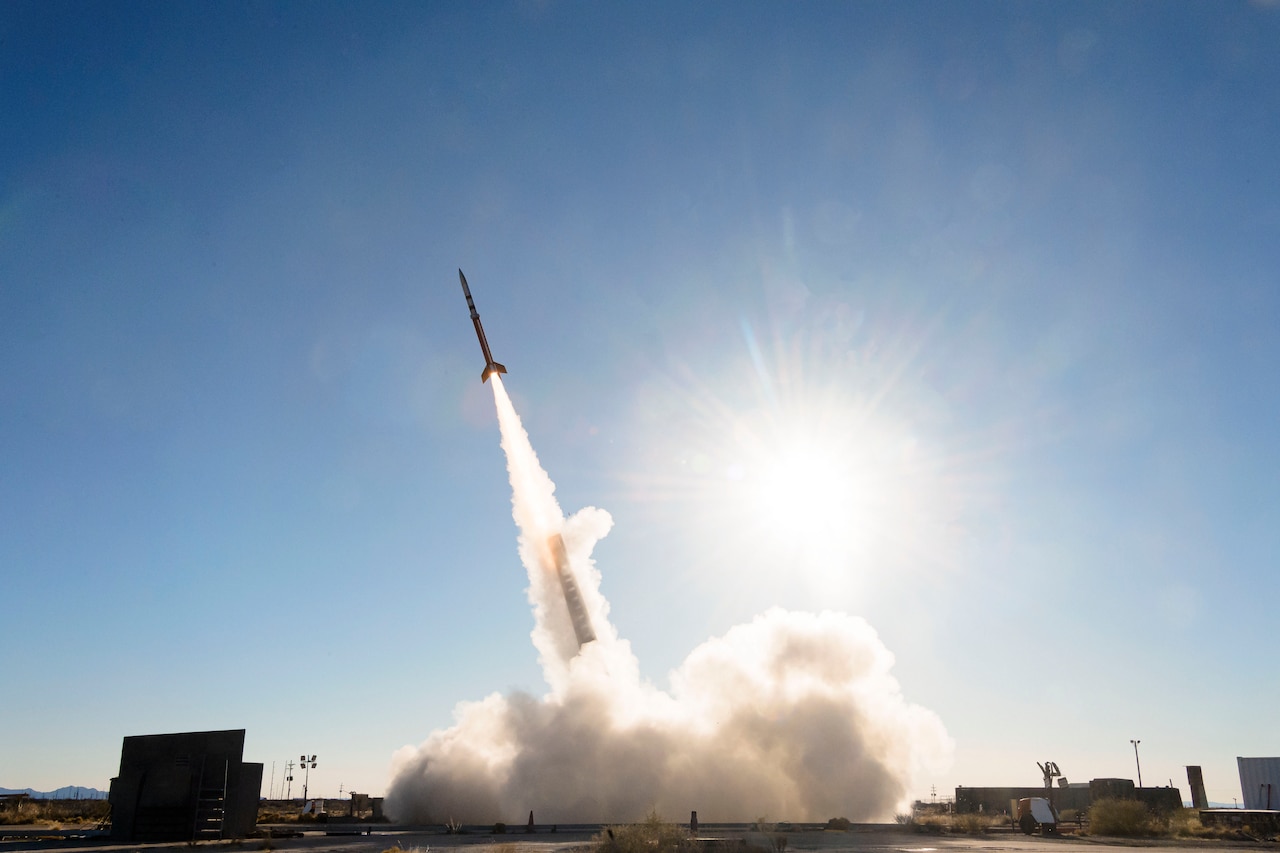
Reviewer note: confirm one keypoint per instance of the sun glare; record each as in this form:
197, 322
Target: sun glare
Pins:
789, 479
843, 501
806, 491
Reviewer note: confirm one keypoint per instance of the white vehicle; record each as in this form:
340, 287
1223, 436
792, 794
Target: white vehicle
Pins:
1036, 812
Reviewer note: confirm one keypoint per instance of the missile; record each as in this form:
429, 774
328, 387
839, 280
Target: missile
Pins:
490, 366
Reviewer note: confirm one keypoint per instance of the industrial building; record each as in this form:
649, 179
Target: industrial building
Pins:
1077, 796
184, 787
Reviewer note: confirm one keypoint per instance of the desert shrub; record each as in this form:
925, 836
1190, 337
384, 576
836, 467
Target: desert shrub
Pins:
937, 824
934, 824
842, 823
1185, 823
654, 835
973, 824
53, 812
1124, 818
17, 811
12, 812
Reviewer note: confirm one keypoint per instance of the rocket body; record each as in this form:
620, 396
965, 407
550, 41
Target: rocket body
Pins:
555, 557
490, 366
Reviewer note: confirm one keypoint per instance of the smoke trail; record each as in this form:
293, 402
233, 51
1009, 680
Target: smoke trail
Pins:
794, 716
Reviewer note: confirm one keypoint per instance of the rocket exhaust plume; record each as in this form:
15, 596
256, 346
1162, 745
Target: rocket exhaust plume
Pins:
794, 715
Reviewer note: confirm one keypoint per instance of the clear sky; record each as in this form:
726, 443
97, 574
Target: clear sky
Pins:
957, 317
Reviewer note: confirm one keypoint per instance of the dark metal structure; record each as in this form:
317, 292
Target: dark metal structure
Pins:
184, 787
1077, 797
1195, 778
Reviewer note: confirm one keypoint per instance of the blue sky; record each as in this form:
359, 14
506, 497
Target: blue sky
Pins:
1007, 271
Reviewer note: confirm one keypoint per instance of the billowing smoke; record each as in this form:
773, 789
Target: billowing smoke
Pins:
794, 716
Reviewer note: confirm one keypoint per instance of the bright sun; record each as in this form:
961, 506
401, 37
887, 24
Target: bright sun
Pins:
806, 490
830, 488
840, 500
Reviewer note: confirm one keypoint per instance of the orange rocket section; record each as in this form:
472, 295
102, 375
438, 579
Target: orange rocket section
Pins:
572, 595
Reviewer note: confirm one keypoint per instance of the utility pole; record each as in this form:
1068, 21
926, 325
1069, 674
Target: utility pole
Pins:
1135, 759
288, 770
271, 789
307, 765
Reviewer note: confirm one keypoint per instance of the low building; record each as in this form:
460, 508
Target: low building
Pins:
996, 800
1077, 797
184, 787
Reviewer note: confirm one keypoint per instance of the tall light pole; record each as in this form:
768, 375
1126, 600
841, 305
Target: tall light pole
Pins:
1136, 761
307, 765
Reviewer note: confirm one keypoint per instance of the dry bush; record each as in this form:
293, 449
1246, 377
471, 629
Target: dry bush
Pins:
934, 824
279, 811
974, 824
1185, 823
17, 811
961, 824
1122, 818
654, 835
53, 813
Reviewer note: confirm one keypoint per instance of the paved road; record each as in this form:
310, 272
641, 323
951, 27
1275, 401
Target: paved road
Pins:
866, 839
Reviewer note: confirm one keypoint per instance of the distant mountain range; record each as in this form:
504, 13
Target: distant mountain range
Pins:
70, 792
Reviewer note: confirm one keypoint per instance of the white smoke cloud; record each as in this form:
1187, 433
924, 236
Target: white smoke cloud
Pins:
794, 716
